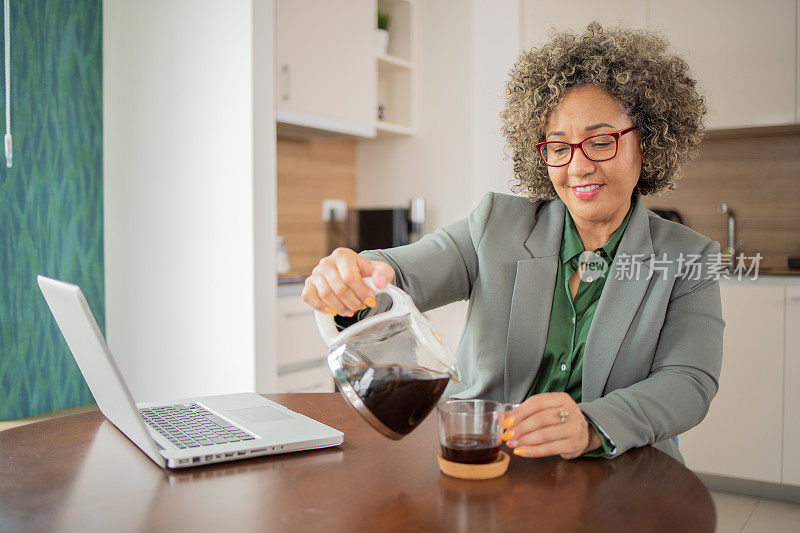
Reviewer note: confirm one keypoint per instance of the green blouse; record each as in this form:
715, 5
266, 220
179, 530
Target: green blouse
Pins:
562, 362
561, 367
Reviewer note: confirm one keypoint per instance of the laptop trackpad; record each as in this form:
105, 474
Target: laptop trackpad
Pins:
254, 415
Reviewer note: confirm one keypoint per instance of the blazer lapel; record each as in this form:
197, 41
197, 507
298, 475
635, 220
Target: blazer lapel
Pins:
618, 304
532, 300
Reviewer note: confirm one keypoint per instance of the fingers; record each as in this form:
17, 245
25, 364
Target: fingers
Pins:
342, 293
336, 284
557, 447
330, 302
537, 403
521, 436
311, 297
381, 273
553, 440
348, 272
547, 424
538, 421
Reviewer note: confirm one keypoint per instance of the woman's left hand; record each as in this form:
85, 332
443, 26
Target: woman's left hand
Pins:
549, 424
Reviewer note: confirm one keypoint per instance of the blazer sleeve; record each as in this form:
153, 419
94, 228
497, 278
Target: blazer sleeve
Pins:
685, 373
441, 267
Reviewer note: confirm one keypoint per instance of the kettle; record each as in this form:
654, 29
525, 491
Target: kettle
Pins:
391, 367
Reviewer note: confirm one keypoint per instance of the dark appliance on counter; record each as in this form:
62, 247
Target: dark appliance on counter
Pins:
378, 228
370, 229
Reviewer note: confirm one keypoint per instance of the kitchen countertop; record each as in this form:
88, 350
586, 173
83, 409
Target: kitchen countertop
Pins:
786, 271
290, 289
765, 277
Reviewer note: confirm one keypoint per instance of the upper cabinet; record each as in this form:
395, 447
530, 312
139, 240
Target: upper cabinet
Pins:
326, 68
333, 77
743, 54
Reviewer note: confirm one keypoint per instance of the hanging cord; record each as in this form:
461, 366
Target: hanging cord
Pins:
7, 34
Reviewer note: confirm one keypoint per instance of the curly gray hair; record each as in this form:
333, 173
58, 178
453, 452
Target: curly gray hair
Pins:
652, 85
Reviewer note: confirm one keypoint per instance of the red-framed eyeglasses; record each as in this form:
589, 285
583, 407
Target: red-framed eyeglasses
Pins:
601, 147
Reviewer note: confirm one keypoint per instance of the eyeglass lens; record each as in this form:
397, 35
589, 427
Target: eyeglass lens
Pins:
598, 148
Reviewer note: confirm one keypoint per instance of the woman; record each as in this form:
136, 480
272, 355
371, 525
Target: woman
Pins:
582, 305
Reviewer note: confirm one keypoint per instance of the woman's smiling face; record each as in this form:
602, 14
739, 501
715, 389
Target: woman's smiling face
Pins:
606, 186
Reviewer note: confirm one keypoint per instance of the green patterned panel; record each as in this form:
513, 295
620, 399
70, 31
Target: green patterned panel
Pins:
51, 200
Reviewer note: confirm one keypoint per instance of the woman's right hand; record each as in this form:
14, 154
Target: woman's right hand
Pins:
336, 284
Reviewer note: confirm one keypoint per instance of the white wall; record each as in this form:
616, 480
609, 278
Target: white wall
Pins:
180, 237
540, 19
434, 163
463, 51
495, 48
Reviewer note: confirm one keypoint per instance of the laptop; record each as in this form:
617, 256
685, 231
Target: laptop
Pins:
184, 432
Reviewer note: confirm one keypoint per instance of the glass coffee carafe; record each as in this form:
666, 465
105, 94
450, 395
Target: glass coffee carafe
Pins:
392, 367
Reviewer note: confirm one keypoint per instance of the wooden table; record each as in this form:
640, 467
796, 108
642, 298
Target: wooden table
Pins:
79, 473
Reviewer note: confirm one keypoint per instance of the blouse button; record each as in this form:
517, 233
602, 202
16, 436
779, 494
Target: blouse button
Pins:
563, 367
573, 320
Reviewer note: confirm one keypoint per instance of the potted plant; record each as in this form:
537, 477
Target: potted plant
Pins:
383, 32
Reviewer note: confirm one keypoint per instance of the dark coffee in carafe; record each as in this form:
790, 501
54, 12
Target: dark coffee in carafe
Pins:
399, 396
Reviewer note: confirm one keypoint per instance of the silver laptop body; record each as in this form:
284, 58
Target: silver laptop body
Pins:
244, 425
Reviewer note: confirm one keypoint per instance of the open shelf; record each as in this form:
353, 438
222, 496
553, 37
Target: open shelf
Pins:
387, 128
395, 94
401, 30
392, 61
396, 71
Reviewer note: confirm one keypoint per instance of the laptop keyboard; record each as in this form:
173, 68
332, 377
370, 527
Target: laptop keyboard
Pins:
192, 426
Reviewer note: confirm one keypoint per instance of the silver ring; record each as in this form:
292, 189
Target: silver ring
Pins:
563, 413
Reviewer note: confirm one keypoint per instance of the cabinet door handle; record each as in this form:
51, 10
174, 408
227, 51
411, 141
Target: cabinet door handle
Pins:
287, 83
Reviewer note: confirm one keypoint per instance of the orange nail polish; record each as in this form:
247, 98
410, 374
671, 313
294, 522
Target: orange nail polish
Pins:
508, 422
370, 302
520, 451
330, 311
508, 434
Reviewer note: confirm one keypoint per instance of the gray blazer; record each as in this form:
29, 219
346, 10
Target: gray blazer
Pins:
654, 349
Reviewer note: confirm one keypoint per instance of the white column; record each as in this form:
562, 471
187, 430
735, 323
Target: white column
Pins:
182, 187
265, 212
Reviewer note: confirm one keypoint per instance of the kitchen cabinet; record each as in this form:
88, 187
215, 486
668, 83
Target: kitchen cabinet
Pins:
302, 353
743, 54
791, 390
741, 435
315, 379
326, 68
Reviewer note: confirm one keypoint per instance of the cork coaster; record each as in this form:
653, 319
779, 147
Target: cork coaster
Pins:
467, 471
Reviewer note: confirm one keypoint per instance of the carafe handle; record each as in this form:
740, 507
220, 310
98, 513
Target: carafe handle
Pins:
327, 325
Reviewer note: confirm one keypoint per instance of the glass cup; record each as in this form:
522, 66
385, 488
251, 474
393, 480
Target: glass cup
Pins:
470, 430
